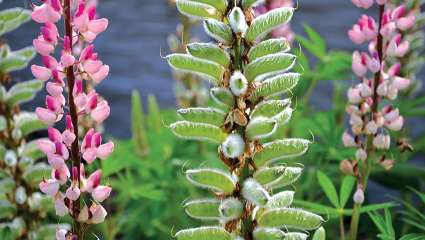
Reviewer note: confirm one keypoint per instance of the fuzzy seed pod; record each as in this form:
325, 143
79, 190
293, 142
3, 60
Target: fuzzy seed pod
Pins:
231, 208
254, 192
233, 146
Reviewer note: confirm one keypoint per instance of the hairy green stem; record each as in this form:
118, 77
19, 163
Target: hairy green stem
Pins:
367, 168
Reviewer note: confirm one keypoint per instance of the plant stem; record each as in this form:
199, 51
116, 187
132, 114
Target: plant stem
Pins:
341, 227
75, 152
365, 170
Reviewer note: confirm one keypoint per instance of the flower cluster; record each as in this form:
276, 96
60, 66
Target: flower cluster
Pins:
370, 110
284, 30
68, 182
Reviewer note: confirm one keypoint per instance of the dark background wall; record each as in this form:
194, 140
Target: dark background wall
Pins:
138, 31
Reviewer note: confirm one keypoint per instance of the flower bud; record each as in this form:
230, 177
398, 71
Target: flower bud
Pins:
387, 164
382, 141
346, 167
233, 146
354, 96
348, 140
231, 208
371, 127
361, 154
358, 196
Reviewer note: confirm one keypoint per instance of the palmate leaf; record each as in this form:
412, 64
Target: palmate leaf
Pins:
197, 9
213, 179
280, 149
269, 65
275, 86
289, 217
200, 131
204, 68
265, 23
203, 115
204, 233
23, 92
12, 18
328, 188
218, 4
219, 31
203, 209
278, 176
346, 189
270, 108
209, 51
270, 46
28, 52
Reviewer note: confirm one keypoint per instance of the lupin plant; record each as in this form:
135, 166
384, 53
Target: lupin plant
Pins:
248, 76
371, 111
22, 206
73, 193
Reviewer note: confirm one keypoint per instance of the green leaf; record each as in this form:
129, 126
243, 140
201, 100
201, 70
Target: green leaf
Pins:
138, 125
204, 68
12, 63
27, 122
270, 108
154, 117
280, 149
220, 5
270, 46
209, 51
278, 176
200, 131
197, 9
12, 18
203, 209
48, 231
269, 65
204, 233
290, 218
213, 179
275, 86
328, 188
319, 234
250, 3
223, 97
315, 45
267, 22
219, 31
346, 189
268, 234
35, 173
413, 236
260, 127
203, 115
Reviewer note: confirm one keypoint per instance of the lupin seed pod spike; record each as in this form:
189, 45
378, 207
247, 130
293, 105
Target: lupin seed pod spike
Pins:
245, 75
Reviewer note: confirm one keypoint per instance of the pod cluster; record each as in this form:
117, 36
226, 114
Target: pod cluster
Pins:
248, 75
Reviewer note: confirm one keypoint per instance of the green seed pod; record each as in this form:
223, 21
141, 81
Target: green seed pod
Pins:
278, 176
237, 21
261, 233
280, 149
271, 46
319, 234
279, 200
254, 192
7, 185
20, 195
218, 4
219, 31
260, 127
231, 208
204, 233
200, 131
203, 209
34, 173
209, 51
269, 65
190, 64
18, 225
197, 9
233, 146
203, 115
295, 236
222, 97
290, 218
250, 3
270, 108
25, 162
238, 84
26, 123
274, 86
7, 210
283, 117
214, 179
267, 22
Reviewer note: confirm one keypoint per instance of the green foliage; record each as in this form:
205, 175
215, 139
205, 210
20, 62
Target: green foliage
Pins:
138, 125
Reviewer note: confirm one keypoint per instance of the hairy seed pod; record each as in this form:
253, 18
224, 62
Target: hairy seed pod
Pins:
289, 217
281, 149
20, 195
261, 233
10, 158
278, 176
203, 209
279, 200
215, 179
254, 192
204, 233
233, 146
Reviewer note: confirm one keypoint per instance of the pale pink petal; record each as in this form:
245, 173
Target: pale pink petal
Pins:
68, 137
101, 74
101, 112
98, 214
89, 155
101, 193
73, 193
93, 181
54, 89
98, 25
49, 187
42, 47
60, 207
67, 60
104, 150
41, 73
46, 116
46, 146
55, 161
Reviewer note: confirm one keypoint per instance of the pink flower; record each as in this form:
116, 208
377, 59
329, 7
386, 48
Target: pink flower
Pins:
46, 42
101, 193
348, 140
94, 68
359, 63
361, 154
91, 148
402, 20
67, 59
61, 234
364, 30
86, 23
68, 135
358, 196
382, 141
98, 214
93, 181
49, 11
49, 187
388, 26
60, 207
73, 193
363, 3
397, 47
354, 95
101, 112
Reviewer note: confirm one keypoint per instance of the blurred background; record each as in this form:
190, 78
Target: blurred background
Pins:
146, 169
